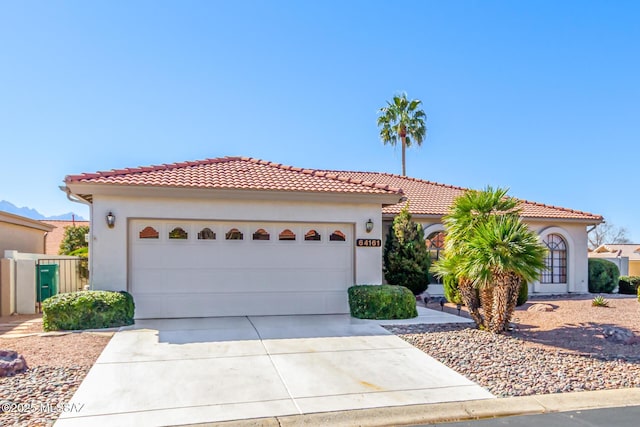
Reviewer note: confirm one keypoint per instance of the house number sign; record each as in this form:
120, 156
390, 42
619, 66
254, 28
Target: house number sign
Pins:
368, 243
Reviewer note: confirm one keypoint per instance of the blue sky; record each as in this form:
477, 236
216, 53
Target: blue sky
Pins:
539, 96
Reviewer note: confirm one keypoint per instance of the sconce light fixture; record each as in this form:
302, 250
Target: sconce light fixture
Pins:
111, 219
368, 226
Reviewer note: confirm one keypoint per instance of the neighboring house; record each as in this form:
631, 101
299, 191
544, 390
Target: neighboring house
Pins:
22, 234
55, 237
625, 256
241, 236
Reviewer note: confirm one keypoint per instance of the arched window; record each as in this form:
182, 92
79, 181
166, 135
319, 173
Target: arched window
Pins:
337, 236
206, 234
556, 260
312, 235
261, 234
234, 234
435, 246
149, 233
287, 235
178, 233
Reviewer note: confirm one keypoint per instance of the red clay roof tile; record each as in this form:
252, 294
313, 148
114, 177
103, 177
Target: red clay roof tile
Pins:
234, 173
432, 198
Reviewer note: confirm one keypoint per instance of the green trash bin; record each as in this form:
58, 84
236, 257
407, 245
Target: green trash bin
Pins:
47, 284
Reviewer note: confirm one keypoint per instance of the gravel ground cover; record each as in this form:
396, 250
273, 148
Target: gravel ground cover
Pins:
547, 352
57, 365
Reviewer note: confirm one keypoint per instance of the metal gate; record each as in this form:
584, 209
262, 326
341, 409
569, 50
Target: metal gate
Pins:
73, 274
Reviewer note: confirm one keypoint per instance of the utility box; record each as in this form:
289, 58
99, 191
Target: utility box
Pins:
47, 283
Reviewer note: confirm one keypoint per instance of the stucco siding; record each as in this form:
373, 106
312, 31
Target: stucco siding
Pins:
20, 238
109, 247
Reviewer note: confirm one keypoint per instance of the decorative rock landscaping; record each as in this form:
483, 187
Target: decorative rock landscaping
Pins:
507, 366
11, 363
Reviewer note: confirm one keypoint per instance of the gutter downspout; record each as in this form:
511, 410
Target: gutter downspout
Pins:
77, 199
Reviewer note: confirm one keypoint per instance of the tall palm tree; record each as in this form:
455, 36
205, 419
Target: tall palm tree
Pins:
489, 251
404, 120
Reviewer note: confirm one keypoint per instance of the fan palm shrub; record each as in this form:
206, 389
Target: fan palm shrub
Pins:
491, 252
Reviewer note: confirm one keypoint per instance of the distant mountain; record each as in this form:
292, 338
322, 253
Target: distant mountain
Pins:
34, 214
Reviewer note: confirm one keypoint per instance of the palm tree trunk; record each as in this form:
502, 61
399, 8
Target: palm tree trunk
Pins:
486, 302
515, 282
470, 298
501, 294
404, 149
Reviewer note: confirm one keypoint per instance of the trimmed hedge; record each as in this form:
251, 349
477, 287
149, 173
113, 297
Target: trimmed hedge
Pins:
603, 276
638, 293
628, 285
382, 302
87, 310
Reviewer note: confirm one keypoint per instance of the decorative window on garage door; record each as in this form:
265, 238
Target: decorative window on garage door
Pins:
287, 235
206, 234
234, 234
261, 234
312, 235
337, 236
178, 233
149, 233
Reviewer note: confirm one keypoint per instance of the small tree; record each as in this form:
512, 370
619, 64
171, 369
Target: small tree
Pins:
74, 239
406, 259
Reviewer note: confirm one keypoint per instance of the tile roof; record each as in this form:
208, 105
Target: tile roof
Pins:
632, 251
55, 236
235, 173
432, 198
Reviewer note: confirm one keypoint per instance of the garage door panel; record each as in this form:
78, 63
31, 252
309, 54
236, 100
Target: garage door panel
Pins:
158, 306
249, 281
178, 278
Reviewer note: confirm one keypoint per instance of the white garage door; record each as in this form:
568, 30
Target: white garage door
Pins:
200, 268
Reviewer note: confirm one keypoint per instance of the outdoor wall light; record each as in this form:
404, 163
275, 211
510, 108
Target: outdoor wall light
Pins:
368, 226
111, 219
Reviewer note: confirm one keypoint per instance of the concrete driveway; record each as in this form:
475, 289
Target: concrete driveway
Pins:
185, 371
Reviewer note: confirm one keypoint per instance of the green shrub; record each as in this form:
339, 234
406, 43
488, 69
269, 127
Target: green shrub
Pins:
603, 276
638, 293
523, 294
451, 291
405, 255
628, 285
382, 302
87, 310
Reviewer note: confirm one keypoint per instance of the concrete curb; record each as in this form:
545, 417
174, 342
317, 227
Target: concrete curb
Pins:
451, 411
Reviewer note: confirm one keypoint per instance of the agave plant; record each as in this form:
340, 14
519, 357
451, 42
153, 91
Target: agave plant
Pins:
600, 301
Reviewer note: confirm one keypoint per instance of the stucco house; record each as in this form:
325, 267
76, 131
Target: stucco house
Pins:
22, 234
242, 236
625, 256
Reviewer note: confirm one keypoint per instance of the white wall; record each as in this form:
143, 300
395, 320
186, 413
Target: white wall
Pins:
109, 245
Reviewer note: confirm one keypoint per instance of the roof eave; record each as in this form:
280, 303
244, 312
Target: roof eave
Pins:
88, 190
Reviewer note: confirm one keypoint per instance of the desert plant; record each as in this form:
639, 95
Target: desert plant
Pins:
600, 301
523, 294
382, 302
628, 285
87, 310
488, 247
603, 276
405, 255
